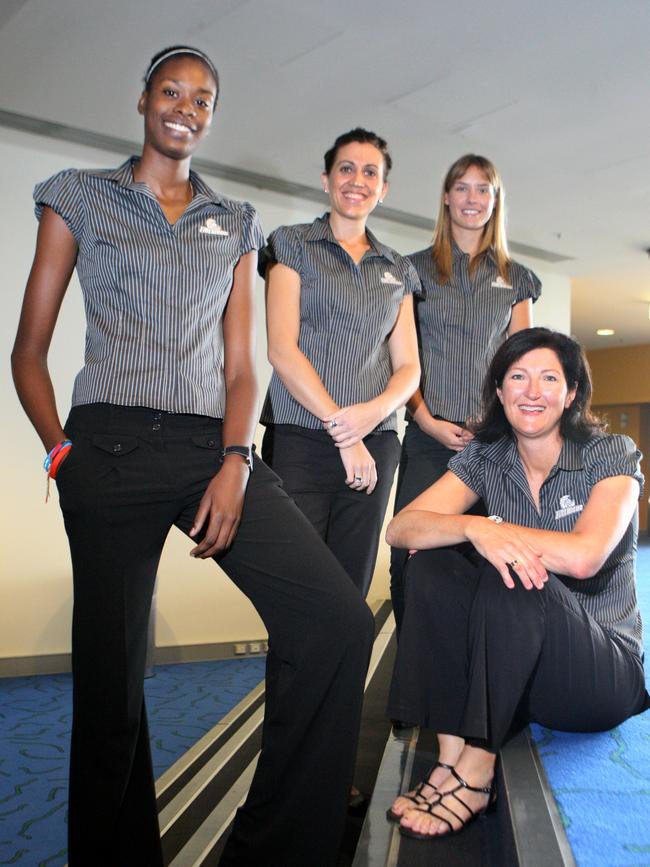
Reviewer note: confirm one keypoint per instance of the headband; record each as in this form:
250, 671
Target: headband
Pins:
175, 51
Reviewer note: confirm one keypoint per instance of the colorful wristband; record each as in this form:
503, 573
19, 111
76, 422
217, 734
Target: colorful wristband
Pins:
55, 457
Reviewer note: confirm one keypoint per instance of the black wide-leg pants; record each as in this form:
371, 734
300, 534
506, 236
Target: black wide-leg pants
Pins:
132, 474
422, 462
480, 661
312, 473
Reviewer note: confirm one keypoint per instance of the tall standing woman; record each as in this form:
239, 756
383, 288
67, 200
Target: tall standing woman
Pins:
160, 431
343, 346
474, 296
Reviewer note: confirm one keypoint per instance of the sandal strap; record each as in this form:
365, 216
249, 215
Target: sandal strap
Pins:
425, 783
417, 797
484, 790
431, 806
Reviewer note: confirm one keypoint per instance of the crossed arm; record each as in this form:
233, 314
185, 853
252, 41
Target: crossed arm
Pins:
436, 519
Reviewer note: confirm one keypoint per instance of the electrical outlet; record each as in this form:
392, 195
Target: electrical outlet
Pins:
240, 649
254, 647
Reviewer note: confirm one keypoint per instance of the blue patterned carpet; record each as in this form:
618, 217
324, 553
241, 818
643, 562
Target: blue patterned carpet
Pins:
601, 782
183, 702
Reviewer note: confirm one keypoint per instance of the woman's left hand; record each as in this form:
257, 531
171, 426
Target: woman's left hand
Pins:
221, 508
505, 549
351, 424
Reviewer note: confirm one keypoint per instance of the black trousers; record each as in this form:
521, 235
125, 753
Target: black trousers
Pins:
481, 661
312, 473
423, 461
131, 475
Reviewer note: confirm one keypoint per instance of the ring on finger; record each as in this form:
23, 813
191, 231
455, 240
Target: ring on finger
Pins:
358, 478
513, 563
333, 424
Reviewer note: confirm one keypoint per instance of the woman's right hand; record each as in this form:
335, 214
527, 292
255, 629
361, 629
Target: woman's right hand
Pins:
505, 549
360, 469
449, 434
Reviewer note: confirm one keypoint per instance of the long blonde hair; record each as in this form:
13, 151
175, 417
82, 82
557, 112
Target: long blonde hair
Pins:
493, 238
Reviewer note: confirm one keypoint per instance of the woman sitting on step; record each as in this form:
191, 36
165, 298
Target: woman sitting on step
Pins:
529, 614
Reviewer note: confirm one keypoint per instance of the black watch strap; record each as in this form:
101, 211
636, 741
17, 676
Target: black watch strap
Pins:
244, 451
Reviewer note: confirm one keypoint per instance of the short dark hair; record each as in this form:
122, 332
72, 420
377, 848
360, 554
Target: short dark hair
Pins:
577, 422
174, 51
363, 136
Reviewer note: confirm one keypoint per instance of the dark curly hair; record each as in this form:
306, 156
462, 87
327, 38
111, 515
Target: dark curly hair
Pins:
577, 422
363, 136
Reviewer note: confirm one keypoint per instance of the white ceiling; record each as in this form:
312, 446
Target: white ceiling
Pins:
555, 93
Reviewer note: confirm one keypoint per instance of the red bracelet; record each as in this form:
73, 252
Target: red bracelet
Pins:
57, 460
53, 461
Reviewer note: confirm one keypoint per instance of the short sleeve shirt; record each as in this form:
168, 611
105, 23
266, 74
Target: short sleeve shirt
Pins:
154, 293
347, 312
495, 473
461, 324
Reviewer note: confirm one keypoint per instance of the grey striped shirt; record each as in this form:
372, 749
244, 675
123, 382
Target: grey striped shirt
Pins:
461, 324
495, 473
347, 312
154, 293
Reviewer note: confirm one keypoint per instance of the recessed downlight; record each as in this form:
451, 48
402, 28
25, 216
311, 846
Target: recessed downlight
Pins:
605, 332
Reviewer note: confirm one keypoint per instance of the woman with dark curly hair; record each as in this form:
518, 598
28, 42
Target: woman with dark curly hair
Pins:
529, 614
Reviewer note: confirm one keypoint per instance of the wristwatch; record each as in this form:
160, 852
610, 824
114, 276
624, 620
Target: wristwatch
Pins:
244, 451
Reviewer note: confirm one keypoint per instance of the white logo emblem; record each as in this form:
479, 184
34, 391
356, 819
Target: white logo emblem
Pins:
390, 279
500, 283
567, 507
212, 228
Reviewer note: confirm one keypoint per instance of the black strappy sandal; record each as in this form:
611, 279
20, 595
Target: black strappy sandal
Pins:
430, 808
417, 797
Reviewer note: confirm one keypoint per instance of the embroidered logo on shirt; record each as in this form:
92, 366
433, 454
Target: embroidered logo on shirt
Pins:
567, 507
390, 279
500, 283
212, 228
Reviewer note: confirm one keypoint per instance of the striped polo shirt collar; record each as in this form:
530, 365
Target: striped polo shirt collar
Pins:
503, 453
457, 254
123, 176
320, 230
571, 457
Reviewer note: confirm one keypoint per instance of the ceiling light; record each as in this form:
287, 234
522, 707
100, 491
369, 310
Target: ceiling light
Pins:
605, 332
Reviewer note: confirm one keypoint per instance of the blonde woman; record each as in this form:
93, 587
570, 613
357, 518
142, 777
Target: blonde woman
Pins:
474, 295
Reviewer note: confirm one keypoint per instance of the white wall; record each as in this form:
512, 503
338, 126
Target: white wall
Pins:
196, 602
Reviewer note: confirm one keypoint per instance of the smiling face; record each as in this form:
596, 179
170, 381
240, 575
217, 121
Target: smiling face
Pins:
178, 106
355, 183
535, 393
470, 201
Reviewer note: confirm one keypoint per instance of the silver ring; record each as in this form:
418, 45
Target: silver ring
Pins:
513, 563
358, 478
332, 425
